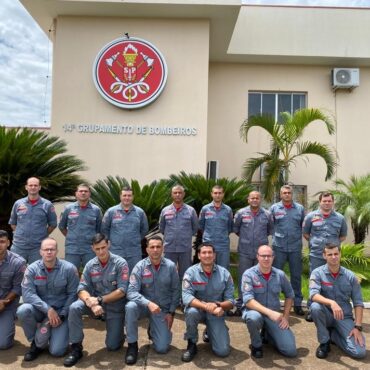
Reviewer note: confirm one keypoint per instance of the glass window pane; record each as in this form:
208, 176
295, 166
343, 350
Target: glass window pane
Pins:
268, 104
299, 101
254, 104
284, 104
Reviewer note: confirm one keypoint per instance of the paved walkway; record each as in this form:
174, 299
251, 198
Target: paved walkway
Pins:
97, 357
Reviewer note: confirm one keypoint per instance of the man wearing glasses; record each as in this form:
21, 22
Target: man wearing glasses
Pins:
287, 240
79, 222
49, 287
261, 286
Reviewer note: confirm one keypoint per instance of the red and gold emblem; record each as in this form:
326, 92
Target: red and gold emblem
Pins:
130, 72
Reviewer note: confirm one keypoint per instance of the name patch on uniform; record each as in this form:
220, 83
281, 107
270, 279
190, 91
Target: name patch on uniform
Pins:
326, 283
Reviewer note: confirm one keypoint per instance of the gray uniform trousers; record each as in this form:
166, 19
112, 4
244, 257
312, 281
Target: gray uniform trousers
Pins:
282, 339
324, 319
36, 327
113, 322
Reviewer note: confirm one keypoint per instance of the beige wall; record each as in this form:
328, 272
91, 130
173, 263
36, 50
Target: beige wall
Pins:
228, 101
183, 103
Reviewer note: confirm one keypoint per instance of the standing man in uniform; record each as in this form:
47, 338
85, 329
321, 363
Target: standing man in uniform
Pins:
178, 223
331, 289
321, 227
125, 225
207, 293
79, 222
287, 240
216, 223
32, 219
253, 225
12, 269
102, 291
154, 292
261, 285
48, 289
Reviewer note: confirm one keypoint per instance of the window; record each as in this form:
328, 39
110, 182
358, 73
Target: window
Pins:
275, 103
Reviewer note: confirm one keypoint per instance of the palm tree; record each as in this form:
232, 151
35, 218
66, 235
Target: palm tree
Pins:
286, 147
352, 199
27, 152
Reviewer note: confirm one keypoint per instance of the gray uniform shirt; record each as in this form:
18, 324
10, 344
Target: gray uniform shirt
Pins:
32, 222
160, 286
45, 289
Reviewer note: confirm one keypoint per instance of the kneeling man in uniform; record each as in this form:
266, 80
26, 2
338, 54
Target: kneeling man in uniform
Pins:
261, 287
332, 287
207, 293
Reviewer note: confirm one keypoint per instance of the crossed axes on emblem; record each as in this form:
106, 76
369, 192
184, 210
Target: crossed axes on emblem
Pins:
129, 90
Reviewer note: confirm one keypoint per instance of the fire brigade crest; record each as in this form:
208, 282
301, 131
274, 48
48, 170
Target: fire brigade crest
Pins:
130, 72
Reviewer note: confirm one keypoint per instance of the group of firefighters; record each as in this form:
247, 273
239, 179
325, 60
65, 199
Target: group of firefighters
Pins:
120, 287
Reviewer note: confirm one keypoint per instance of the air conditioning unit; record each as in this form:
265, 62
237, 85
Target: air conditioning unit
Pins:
345, 78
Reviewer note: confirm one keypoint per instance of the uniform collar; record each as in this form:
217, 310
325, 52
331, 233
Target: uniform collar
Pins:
148, 262
281, 204
259, 272
221, 206
201, 268
97, 261
88, 205
129, 210
56, 266
257, 213
7, 257
327, 271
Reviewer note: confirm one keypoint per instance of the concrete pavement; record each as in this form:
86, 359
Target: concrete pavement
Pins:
97, 357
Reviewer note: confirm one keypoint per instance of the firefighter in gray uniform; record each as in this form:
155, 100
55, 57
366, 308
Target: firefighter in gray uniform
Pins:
253, 225
79, 222
32, 219
154, 292
331, 289
287, 240
12, 268
126, 225
207, 293
102, 291
320, 227
261, 286
178, 223
49, 287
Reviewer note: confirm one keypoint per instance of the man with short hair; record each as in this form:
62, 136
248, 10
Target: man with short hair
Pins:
102, 292
287, 217
253, 225
154, 292
79, 222
261, 285
207, 293
178, 223
48, 289
321, 227
216, 223
12, 268
126, 225
331, 289
32, 219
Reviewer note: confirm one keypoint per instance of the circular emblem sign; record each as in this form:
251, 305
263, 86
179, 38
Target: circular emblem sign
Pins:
130, 73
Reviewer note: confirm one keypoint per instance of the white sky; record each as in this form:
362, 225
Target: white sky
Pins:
26, 59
